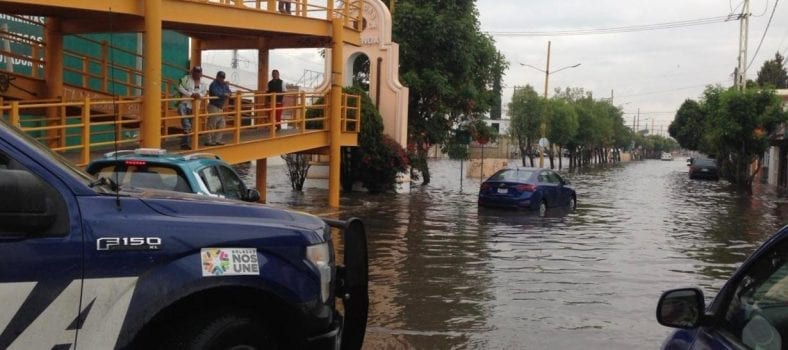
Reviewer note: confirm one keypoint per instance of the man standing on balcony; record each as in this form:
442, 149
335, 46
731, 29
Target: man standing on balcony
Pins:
220, 92
190, 85
277, 86
284, 6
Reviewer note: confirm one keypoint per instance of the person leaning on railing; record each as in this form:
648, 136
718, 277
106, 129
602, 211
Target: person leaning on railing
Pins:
190, 85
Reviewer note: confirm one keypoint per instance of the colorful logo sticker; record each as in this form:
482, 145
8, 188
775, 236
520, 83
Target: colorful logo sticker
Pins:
229, 262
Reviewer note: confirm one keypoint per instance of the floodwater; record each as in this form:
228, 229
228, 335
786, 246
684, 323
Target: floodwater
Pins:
446, 275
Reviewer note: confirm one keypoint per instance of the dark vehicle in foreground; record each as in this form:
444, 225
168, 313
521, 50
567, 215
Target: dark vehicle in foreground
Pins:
201, 173
749, 312
528, 188
704, 168
90, 264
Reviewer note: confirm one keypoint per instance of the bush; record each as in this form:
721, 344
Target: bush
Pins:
378, 159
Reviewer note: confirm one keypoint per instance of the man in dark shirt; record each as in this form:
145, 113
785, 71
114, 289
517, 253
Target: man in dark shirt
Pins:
277, 86
219, 92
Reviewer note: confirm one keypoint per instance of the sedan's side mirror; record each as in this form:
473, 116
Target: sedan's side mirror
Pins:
26, 207
681, 308
251, 195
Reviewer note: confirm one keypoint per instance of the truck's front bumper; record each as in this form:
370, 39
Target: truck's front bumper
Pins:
352, 284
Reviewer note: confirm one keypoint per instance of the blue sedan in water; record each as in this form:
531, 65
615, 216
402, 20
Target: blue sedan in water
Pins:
531, 188
750, 311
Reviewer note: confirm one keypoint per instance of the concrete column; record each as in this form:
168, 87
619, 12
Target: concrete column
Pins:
262, 82
151, 117
196, 52
53, 73
261, 178
336, 111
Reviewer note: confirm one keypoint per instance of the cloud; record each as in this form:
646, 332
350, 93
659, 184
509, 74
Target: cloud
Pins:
654, 70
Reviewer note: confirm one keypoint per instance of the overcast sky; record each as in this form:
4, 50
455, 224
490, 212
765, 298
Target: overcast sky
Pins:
654, 70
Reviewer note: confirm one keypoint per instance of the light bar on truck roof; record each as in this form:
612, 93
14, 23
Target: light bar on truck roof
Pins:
150, 151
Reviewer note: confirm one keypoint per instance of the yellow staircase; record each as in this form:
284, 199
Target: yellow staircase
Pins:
84, 120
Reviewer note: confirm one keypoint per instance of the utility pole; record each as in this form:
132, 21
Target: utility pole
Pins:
544, 125
744, 23
652, 126
638, 124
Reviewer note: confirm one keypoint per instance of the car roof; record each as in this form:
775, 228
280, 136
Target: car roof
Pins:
156, 156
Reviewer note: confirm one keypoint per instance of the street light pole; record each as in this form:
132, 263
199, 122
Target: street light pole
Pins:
544, 125
546, 71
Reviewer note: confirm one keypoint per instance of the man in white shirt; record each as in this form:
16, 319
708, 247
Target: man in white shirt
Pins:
190, 85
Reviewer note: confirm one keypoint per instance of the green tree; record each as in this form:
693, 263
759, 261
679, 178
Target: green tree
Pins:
449, 67
378, 158
525, 110
738, 128
773, 74
562, 121
688, 125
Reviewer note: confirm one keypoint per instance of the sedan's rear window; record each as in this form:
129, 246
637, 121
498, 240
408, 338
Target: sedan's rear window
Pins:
146, 176
704, 162
512, 175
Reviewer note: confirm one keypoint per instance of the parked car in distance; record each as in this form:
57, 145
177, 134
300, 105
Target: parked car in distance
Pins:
666, 156
530, 188
749, 312
201, 173
704, 168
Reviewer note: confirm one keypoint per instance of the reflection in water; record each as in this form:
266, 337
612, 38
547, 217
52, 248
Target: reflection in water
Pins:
446, 274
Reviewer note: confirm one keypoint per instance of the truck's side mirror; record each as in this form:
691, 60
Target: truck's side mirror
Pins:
681, 308
251, 195
26, 207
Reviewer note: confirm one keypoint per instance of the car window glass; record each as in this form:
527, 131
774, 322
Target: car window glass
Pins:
543, 177
233, 186
512, 175
210, 176
146, 176
703, 162
757, 314
524, 175
553, 178
17, 202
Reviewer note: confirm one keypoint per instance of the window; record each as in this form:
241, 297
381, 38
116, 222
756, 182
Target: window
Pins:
213, 182
553, 178
512, 175
233, 186
145, 176
757, 314
45, 212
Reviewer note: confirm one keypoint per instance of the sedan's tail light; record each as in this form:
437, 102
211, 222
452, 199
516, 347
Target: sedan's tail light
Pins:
526, 188
485, 187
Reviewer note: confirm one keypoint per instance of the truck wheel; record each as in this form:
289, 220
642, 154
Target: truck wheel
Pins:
227, 331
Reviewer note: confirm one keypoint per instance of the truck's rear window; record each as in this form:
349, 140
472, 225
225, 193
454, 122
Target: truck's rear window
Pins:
146, 176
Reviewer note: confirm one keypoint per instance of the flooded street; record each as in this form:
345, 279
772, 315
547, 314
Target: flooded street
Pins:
445, 274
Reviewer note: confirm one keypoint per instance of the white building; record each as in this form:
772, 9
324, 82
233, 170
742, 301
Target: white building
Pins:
775, 161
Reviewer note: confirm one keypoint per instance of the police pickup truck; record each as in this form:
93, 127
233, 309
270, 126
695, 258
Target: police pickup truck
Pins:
86, 264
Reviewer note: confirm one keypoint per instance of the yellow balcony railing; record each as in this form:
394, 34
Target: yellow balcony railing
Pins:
82, 128
350, 11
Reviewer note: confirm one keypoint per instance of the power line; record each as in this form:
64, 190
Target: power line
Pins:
764, 33
625, 29
667, 91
